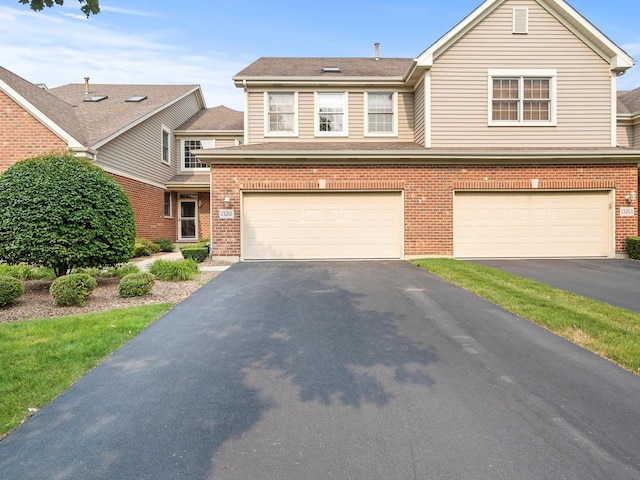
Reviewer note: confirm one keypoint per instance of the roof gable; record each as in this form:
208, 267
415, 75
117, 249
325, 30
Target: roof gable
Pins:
57, 115
216, 119
618, 59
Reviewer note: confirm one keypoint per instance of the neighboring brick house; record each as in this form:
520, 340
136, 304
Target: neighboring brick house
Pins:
131, 131
500, 140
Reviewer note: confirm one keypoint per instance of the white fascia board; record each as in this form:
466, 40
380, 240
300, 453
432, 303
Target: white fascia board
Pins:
138, 121
41, 117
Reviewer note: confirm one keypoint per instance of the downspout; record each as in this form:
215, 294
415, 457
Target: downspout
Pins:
246, 112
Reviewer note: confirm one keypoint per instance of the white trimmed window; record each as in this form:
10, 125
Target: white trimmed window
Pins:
281, 114
527, 98
189, 161
380, 114
331, 116
168, 205
166, 145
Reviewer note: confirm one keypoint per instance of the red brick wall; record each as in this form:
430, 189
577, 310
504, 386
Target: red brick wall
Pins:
22, 136
428, 193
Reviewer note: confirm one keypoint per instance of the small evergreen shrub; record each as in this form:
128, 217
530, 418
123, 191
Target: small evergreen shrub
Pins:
165, 244
136, 285
144, 247
10, 290
633, 247
198, 254
72, 290
174, 270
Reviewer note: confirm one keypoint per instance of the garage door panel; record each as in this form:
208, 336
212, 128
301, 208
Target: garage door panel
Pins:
532, 224
322, 225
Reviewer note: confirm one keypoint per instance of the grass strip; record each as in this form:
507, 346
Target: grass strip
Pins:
609, 331
39, 359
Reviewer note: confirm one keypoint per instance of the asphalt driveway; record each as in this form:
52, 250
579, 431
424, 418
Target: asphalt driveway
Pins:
346, 370
613, 281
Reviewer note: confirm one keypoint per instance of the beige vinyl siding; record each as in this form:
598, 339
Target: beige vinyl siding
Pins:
138, 151
460, 88
636, 135
306, 118
222, 142
625, 135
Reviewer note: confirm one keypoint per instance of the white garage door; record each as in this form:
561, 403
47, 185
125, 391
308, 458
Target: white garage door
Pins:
322, 225
533, 224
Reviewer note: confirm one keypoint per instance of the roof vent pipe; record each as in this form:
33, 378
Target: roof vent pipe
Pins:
377, 45
86, 85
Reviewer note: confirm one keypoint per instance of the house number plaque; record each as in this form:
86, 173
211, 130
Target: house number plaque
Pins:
627, 211
226, 213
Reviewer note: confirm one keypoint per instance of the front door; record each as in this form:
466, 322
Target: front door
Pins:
188, 222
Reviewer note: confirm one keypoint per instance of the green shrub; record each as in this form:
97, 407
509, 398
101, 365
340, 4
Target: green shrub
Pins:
144, 247
174, 270
72, 290
165, 244
92, 272
27, 272
120, 270
63, 212
10, 290
198, 254
633, 247
136, 285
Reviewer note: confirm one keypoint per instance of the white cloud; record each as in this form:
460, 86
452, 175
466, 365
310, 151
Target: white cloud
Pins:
127, 11
72, 48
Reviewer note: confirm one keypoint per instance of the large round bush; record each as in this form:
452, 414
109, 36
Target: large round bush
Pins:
72, 290
62, 212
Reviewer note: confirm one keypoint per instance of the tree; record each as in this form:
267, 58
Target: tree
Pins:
89, 7
63, 212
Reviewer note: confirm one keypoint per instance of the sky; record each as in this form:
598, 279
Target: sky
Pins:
207, 42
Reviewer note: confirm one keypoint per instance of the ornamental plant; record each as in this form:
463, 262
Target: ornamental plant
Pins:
10, 290
61, 211
72, 290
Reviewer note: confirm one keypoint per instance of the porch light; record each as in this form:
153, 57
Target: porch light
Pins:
226, 202
631, 197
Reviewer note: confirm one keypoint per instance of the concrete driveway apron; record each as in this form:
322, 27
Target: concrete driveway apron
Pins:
344, 370
613, 281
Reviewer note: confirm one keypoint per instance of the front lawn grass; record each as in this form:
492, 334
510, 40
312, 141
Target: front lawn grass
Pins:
609, 331
39, 359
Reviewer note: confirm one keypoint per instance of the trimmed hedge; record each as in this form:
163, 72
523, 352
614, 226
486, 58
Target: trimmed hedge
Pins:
196, 253
633, 247
145, 248
136, 285
10, 290
72, 290
165, 244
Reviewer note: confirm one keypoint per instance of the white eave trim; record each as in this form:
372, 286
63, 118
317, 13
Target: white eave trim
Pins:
138, 121
72, 142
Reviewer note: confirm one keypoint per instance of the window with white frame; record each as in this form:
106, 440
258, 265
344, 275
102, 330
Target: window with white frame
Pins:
168, 207
280, 109
189, 161
380, 117
331, 117
166, 145
522, 99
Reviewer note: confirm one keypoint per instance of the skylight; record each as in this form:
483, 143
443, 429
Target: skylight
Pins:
96, 98
136, 98
331, 69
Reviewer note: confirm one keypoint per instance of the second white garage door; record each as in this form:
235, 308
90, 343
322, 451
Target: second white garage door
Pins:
533, 224
322, 225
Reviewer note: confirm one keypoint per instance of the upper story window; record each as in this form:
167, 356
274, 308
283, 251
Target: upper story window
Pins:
166, 145
281, 112
189, 161
331, 116
380, 115
525, 99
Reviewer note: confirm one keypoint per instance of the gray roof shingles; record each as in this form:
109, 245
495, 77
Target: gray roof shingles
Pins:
218, 118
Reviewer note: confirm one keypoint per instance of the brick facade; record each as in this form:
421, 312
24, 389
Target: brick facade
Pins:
22, 136
428, 192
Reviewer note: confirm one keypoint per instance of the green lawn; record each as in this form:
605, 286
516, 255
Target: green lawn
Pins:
39, 359
611, 332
